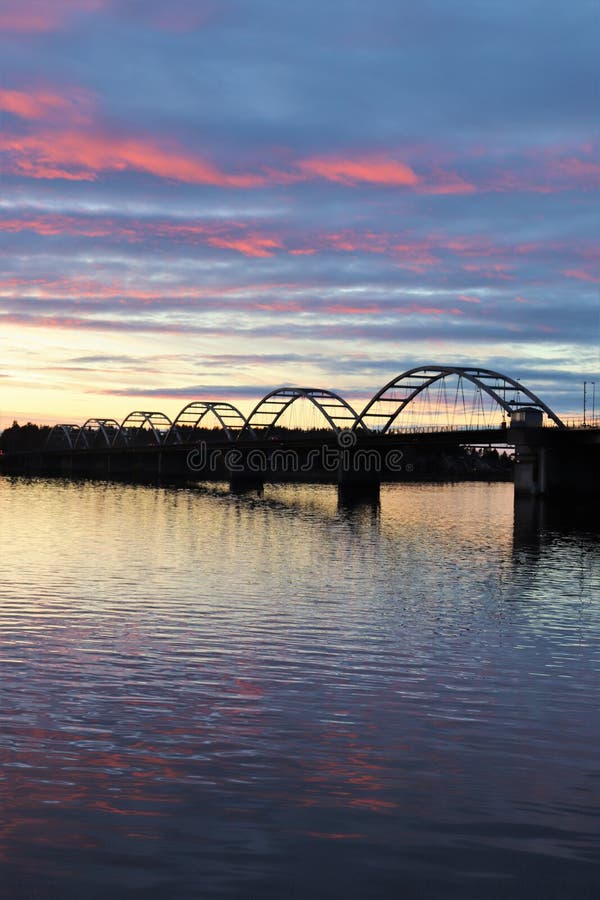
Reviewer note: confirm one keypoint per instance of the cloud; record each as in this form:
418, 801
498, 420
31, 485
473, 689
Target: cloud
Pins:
582, 275
82, 156
74, 141
195, 391
546, 170
41, 16
249, 245
73, 153
368, 170
257, 316
576, 171
441, 182
405, 250
47, 104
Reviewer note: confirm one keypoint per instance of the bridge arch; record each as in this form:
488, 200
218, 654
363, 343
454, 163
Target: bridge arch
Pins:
266, 414
189, 420
62, 437
142, 428
385, 406
96, 433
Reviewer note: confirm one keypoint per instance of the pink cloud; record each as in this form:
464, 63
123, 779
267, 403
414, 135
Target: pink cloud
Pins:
440, 182
40, 16
351, 241
31, 16
550, 170
44, 104
577, 170
466, 299
413, 254
180, 16
424, 310
490, 270
249, 245
68, 151
347, 310
82, 288
230, 235
581, 275
473, 245
368, 170
416, 254
81, 156
56, 225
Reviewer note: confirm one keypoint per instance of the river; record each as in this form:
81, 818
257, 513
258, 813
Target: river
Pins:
206, 694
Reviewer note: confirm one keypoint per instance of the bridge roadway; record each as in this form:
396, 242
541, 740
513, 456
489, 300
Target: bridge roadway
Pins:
549, 461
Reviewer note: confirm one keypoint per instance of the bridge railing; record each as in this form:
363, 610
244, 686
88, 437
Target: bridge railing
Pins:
580, 422
435, 429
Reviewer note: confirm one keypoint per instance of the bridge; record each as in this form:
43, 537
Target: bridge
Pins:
424, 410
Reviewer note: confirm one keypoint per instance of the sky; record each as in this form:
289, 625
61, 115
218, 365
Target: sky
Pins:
209, 199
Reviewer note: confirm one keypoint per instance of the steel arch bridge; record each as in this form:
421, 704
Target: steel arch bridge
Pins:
155, 424
383, 411
62, 437
393, 398
337, 412
96, 433
191, 417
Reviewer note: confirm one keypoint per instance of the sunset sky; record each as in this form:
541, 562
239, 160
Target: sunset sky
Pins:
205, 199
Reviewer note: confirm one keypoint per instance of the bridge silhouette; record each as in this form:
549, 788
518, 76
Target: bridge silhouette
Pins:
358, 449
381, 415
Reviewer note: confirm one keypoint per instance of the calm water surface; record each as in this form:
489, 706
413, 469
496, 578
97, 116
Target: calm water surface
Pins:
208, 695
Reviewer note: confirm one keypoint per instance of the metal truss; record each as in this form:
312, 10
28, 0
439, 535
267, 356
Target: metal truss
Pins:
62, 437
190, 419
337, 412
412, 382
139, 425
96, 434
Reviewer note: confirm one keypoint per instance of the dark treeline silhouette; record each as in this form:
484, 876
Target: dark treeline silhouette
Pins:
24, 437
469, 460
453, 461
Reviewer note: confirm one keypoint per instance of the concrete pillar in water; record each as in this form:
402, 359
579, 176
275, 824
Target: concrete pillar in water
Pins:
530, 471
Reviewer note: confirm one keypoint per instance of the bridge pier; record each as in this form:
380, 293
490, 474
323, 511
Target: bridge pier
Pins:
531, 471
246, 483
557, 463
359, 474
352, 494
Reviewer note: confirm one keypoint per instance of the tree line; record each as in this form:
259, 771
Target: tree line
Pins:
24, 437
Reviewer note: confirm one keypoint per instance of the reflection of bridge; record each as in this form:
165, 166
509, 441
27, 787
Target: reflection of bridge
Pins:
457, 405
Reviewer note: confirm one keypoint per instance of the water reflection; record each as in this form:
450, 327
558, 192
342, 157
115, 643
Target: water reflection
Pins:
215, 694
537, 519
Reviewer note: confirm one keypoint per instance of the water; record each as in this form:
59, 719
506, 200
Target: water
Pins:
207, 695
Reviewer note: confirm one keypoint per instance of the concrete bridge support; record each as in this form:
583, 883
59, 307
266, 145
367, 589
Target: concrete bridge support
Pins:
531, 471
557, 464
